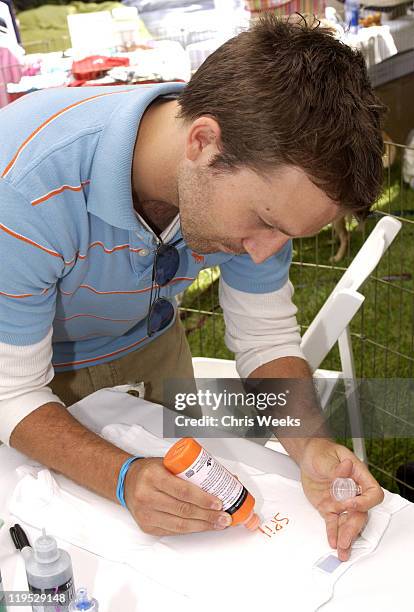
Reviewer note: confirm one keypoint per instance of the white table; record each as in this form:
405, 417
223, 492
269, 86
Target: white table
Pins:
119, 588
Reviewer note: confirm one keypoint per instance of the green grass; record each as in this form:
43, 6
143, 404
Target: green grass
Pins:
383, 330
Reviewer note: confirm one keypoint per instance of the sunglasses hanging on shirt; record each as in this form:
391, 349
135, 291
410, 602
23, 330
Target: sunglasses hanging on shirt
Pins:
161, 311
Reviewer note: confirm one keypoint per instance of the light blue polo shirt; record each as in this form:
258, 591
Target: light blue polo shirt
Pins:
74, 255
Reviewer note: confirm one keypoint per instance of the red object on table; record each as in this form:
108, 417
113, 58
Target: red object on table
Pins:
96, 66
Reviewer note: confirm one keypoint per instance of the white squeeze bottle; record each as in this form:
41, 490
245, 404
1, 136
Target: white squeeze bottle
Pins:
49, 573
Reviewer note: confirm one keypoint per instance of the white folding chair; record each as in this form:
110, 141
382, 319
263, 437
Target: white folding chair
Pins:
330, 325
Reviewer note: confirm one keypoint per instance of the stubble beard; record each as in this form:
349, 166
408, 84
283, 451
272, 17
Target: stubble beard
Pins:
195, 197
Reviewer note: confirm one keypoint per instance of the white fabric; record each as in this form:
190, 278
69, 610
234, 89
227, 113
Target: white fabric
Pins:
136, 440
260, 327
24, 375
43, 498
375, 43
218, 569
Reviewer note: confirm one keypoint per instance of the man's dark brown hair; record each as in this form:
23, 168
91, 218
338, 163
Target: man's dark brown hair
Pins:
288, 92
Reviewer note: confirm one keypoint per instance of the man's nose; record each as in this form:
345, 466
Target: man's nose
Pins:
261, 248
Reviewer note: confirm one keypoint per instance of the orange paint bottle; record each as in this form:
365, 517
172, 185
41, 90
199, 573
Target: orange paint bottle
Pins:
188, 460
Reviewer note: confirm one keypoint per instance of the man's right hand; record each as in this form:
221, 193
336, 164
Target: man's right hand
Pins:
163, 504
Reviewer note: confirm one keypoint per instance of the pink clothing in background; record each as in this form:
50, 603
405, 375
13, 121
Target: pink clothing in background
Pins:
10, 72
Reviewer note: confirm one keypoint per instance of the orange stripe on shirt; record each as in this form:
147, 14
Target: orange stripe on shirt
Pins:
24, 239
16, 296
106, 292
57, 191
132, 292
76, 316
119, 247
48, 121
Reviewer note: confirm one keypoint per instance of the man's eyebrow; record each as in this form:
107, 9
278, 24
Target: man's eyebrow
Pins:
279, 228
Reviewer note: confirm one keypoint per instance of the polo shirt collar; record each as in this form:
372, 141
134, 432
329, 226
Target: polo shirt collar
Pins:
110, 193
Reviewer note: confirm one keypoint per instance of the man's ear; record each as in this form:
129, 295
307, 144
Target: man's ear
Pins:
203, 139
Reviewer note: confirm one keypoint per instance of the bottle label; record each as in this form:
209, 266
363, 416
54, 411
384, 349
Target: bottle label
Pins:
212, 477
59, 596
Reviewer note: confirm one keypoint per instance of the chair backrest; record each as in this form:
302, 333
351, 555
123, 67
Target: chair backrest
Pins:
370, 254
324, 331
345, 300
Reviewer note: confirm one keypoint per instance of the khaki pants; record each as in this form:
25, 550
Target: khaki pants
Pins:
168, 356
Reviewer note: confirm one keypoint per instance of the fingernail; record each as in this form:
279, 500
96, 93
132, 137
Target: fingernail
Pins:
223, 521
216, 505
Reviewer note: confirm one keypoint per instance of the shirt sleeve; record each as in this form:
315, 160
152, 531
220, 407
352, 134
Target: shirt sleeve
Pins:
241, 273
260, 327
25, 373
30, 268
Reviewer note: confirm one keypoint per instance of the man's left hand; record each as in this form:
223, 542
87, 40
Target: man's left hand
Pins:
321, 463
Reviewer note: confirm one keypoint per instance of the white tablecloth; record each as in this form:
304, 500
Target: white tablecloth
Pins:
381, 581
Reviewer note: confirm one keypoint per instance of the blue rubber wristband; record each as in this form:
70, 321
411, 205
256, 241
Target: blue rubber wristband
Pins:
121, 480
